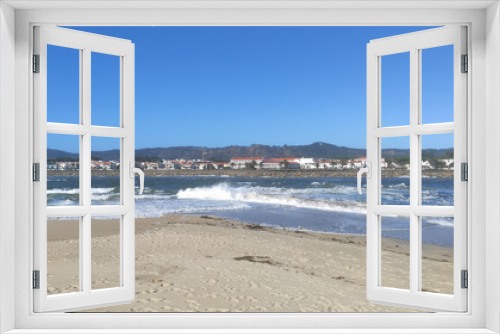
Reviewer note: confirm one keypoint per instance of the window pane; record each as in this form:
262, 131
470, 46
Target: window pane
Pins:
105, 90
106, 252
437, 84
63, 259
395, 181
395, 90
395, 255
63, 170
63, 85
437, 254
437, 170
105, 164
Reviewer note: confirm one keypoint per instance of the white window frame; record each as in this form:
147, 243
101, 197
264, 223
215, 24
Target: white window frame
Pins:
86, 44
16, 216
414, 44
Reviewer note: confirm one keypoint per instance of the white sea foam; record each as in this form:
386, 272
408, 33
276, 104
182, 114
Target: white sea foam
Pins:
444, 221
158, 208
152, 196
63, 191
401, 185
77, 190
270, 196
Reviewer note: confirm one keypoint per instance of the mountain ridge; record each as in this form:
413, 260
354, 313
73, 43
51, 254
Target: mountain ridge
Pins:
314, 150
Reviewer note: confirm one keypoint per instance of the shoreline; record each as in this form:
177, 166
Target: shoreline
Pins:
259, 173
195, 263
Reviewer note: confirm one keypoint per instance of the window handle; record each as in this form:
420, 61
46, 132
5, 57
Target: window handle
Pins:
368, 171
133, 171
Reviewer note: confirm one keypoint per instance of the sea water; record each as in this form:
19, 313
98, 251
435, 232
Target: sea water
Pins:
316, 204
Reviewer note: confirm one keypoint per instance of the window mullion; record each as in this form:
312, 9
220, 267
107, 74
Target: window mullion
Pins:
85, 172
415, 171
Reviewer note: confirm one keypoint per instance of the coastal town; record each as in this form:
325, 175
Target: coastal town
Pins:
257, 163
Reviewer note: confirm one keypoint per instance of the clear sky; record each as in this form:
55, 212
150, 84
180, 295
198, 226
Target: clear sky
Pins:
220, 86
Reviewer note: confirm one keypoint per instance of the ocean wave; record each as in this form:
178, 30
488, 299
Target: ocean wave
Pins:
152, 196
269, 196
401, 185
443, 221
63, 191
146, 209
77, 191
64, 202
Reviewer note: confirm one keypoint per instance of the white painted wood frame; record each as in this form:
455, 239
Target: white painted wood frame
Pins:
17, 20
86, 43
414, 43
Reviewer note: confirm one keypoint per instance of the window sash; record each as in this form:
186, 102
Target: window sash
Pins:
86, 297
414, 43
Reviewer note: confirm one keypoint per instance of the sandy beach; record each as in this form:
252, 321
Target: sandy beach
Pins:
192, 263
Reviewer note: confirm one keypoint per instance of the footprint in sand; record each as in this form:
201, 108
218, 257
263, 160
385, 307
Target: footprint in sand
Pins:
277, 306
249, 298
193, 303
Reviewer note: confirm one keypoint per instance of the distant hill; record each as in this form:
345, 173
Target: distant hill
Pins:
60, 154
315, 150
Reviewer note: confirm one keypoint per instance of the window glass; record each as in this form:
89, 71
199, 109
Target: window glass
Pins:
63, 85
437, 254
395, 252
106, 264
63, 170
437, 84
438, 168
63, 255
395, 89
395, 180
105, 90
105, 170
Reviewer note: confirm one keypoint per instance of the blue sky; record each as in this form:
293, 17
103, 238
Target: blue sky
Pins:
220, 86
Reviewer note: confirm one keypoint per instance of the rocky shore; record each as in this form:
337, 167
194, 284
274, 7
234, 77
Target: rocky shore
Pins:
258, 173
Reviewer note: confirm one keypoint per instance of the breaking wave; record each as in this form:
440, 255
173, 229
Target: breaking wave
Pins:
300, 198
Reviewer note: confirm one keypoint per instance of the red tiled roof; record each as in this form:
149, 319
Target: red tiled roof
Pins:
248, 158
279, 159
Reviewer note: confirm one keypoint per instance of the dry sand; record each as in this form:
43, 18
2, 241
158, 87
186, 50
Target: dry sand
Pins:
188, 263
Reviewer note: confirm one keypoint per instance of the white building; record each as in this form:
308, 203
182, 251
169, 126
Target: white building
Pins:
241, 163
307, 163
171, 164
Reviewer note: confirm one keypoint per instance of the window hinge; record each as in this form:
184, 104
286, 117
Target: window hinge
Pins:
465, 279
36, 279
36, 172
465, 64
464, 170
36, 63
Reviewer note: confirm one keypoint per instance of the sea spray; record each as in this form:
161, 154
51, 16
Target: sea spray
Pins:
319, 204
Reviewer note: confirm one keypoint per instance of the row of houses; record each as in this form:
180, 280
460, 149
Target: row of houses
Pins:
255, 163
298, 163
71, 165
336, 164
182, 164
